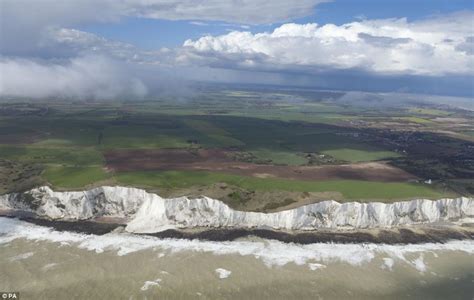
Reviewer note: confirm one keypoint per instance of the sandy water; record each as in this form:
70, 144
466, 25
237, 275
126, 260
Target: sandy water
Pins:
45, 264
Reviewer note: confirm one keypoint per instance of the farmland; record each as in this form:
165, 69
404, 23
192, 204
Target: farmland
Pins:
262, 146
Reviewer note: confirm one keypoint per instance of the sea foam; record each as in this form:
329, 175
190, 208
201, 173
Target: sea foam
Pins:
272, 253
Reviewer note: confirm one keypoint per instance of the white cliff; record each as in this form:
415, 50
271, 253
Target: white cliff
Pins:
103, 201
148, 213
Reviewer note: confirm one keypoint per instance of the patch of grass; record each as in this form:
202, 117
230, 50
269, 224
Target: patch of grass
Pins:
356, 155
69, 156
137, 142
236, 198
216, 136
428, 111
205, 127
74, 177
223, 141
132, 136
16, 176
275, 205
350, 189
318, 142
53, 143
279, 157
416, 120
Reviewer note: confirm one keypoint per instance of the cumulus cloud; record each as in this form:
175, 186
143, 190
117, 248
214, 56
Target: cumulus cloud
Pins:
467, 46
433, 47
89, 77
42, 54
66, 42
24, 23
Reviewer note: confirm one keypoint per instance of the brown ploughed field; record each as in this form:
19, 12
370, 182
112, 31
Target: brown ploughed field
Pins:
219, 160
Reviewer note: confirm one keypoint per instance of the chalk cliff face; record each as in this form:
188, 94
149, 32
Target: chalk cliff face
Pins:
148, 213
103, 201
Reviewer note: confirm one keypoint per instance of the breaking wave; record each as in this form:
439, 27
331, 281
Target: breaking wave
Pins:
272, 253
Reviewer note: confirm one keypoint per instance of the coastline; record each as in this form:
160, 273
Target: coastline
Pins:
134, 211
418, 234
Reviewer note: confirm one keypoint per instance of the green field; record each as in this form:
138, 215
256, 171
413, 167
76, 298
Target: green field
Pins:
417, 120
428, 111
74, 177
53, 155
350, 189
356, 155
66, 147
279, 157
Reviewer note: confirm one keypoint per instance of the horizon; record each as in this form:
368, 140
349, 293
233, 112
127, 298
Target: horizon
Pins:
114, 49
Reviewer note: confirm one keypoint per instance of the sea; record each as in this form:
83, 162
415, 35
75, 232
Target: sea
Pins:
39, 262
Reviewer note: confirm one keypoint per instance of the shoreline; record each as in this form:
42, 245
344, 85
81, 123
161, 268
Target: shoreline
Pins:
398, 235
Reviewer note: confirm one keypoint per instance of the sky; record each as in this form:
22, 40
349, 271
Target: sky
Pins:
106, 49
